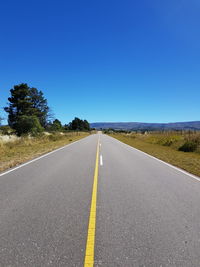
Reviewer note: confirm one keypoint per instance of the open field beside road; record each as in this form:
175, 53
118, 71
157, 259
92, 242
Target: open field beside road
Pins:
164, 148
23, 149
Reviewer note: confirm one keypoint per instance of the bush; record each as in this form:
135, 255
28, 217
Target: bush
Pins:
56, 126
6, 130
188, 146
163, 139
28, 125
53, 138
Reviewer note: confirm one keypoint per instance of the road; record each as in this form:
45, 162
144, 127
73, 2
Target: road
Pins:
145, 213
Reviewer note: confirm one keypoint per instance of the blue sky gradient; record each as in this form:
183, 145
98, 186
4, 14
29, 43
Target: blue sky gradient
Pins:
105, 60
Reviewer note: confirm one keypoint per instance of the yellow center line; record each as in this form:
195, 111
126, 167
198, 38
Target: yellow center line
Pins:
89, 253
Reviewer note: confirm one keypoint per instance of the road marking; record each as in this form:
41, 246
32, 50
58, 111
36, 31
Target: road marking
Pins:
89, 252
101, 160
45, 155
161, 161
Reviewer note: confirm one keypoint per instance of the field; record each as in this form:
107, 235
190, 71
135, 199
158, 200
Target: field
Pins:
19, 150
181, 149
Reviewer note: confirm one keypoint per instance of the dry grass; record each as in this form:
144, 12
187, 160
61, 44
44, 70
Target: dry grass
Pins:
159, 146
24, 149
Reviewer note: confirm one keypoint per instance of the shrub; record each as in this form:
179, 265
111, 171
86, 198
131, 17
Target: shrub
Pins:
28, 125
6, 130
188, 146
164, 139
55, 126
55, 137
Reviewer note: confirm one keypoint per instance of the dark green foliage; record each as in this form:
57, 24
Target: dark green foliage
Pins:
111, 130
29, 102
39, 105
86, 125
188, 146
79, 125
66, 127
28, 124
108, 131
55, 126
54, 137
5, 129
20, 104
168, 143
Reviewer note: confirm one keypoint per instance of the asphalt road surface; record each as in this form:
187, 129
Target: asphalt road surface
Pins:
147, 213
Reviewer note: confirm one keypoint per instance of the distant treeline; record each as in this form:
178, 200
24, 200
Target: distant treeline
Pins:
29, 113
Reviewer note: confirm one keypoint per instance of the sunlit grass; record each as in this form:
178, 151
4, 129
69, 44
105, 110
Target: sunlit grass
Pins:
25, 148
160, 146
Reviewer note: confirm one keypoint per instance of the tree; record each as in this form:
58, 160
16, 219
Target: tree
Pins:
56, 126
75, 124
28, 124
26, 101
86, 125
39, 105
66, 127
20, 104
79, 125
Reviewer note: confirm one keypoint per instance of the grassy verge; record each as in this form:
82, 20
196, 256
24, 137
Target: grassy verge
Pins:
24, 149
189, 161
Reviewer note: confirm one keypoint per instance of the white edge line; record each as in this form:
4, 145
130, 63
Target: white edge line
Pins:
168, 164
40, 157
101, 160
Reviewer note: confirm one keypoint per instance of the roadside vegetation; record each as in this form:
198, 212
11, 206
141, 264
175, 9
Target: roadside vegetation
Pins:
32, 130
179, 148
17, 150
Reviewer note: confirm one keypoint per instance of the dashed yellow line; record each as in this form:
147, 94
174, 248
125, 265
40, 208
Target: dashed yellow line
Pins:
89, 253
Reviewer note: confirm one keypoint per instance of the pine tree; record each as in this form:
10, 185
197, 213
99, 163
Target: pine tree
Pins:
20, 104
39, 105
28, 102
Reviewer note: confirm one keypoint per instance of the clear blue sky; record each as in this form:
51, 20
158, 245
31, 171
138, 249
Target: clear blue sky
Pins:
105, 60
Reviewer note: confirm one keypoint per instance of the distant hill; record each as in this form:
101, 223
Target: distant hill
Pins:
190, 125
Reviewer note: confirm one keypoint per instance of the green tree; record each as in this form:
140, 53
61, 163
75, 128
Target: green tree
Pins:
28, 124
56, 126
66, 127
86, 125
20, 104
79, 125
26, 101
39, 105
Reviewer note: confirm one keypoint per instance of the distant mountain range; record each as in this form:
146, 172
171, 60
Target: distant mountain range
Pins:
190, 125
